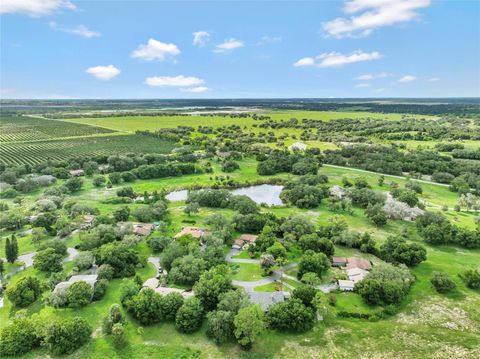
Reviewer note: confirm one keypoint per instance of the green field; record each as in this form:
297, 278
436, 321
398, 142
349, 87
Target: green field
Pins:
35, 152
23, 128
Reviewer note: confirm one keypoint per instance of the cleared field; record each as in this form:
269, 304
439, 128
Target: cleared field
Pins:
22, 128
133, 123
40, 151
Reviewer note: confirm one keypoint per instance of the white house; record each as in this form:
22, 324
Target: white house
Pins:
346, 285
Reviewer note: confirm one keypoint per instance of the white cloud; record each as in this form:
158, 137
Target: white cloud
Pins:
433, 79
80, 30
229, 45
306, 61
368, 77
103, 72
155, 50
174, 81
362, 85
269, 40
34, 8
372, 15
337, 59
200, 38
198, 89
407, 78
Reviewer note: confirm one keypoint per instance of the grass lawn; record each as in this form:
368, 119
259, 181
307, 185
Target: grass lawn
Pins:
246, 271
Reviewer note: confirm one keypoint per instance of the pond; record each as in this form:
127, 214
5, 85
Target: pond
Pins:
265, 193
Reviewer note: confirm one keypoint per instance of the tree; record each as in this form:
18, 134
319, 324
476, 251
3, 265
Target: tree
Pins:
170, 253
118, 335
233, 300
471, 278
121, 257
277, 250
64, 336
146, 307
297, 226
211, 285
158, 244
126, 192
267, 262
38, 234
122, 214
18, 338
243, 204
323, 307
317, 263
84, 260
170, 305
397, 250
311, 279
290, 315
186, 270
376, 214
79, 294
220, 327
190, 315
305, 293
442, 282
248, 325
192, 207
317, 244
2, 268
26, 291
114, 316
11, 249
47, 260
74, 184
385, 284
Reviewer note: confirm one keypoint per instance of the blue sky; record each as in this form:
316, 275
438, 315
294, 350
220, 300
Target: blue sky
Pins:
146, 49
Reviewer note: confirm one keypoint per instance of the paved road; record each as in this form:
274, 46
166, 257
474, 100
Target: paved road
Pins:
234, 252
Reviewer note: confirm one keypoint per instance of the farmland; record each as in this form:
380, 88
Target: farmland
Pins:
424, 323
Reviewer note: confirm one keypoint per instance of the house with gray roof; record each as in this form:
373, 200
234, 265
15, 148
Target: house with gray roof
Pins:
266, 299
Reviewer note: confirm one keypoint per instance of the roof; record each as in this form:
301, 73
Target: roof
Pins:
266, 299
88, 218
143, 229
356, 274
248, 238
88, 278
195, 232
355, 262
349, 284
168, 290
151, 283
298, 145
76, 172
339, 259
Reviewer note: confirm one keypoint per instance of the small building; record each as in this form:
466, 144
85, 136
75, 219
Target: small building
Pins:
337, 191
355, 262
143, 229
300, 146
195, 232
339, 261
88, 220
356, 274
88, 278
346, 285
167, 290
266, 299
244, 240
76, 173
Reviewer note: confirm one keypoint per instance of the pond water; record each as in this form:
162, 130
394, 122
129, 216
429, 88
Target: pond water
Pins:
177, 196
265, 193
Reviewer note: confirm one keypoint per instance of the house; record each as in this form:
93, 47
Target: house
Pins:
244, 240
356, 274
167, 290
337, 191
339, 261
355, 262
88, 278
346, 285
266, 299
143, 229
88, 220
76, 173
195, 232
300, 146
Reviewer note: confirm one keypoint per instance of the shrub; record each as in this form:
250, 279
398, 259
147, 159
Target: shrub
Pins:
24, 292
471, 278
64, 336
100, 289
290, 315
442, 282
146, 307
18, 338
